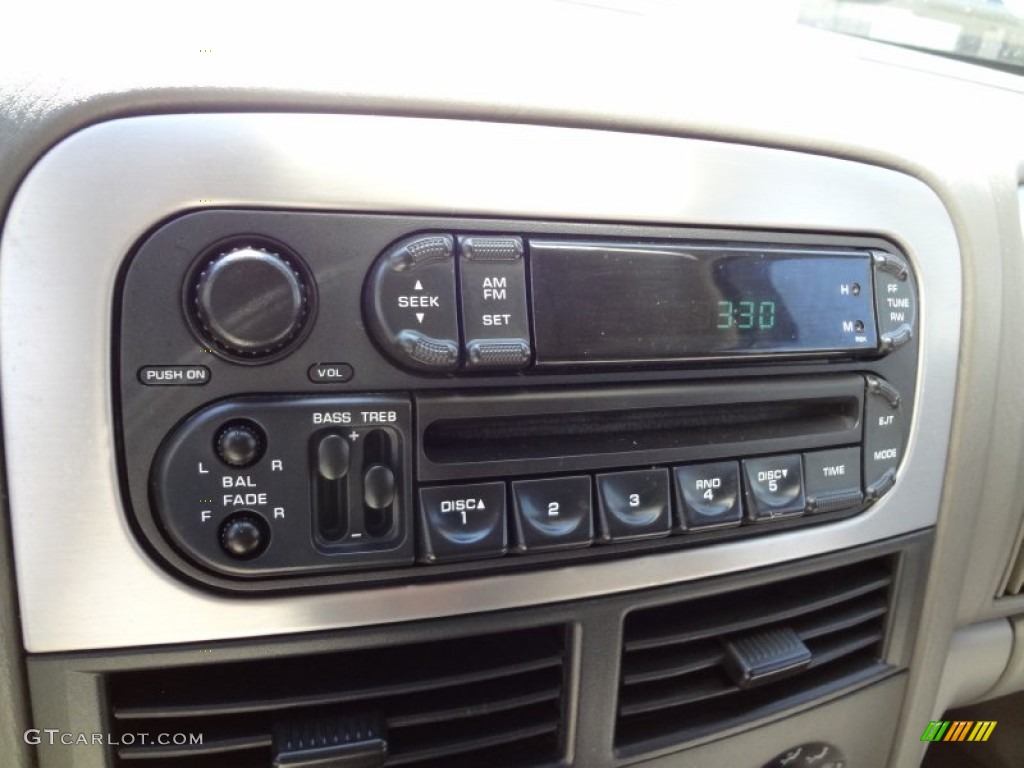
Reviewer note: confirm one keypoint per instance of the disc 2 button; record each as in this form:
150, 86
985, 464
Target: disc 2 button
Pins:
633, 505
462, 522
553, 513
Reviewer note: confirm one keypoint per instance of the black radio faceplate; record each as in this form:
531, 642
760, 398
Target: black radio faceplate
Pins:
517, 442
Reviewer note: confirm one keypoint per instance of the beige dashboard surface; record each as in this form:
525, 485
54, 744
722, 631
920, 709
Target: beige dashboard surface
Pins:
738, 74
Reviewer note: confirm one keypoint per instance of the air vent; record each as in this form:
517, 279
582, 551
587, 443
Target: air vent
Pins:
685, 672
485, 700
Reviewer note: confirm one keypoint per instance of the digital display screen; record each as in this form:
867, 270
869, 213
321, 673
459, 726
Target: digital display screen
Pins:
597, 301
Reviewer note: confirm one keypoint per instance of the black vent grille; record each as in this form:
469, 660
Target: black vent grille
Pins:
675, 686
485, 700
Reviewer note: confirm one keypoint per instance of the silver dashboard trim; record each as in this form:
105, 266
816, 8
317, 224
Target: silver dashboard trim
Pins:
84, 581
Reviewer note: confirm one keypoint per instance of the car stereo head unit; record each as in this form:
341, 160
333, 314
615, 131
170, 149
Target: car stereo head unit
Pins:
614, 302
318, 399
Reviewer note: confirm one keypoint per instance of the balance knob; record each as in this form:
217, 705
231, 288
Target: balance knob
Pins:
240, 444
251, 302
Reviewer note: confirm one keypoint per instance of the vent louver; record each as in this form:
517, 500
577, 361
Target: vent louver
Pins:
484, 700
678, 677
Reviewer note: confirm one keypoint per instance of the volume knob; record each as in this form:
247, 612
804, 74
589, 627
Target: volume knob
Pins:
250, 302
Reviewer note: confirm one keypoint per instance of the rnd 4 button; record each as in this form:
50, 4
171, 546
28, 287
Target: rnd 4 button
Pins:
708, 495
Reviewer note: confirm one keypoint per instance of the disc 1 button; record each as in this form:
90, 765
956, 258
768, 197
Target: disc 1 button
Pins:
462, 522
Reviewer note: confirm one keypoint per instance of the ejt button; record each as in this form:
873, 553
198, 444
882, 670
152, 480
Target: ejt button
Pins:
553, 513
462, 522
775, 487
709, 496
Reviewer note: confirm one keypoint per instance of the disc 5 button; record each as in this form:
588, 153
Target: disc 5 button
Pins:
553, 513
775, 487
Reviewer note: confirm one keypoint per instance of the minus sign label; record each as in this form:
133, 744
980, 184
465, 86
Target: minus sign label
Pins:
357, 535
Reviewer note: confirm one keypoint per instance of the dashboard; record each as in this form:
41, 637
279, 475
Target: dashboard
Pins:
655, 409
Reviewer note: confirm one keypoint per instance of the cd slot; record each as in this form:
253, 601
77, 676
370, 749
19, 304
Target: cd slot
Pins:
564, 430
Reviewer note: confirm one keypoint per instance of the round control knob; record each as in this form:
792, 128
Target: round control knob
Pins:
240, 444
250, 302
244, 535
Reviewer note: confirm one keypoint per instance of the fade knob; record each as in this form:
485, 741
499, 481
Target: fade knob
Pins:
244, 535
250, 303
